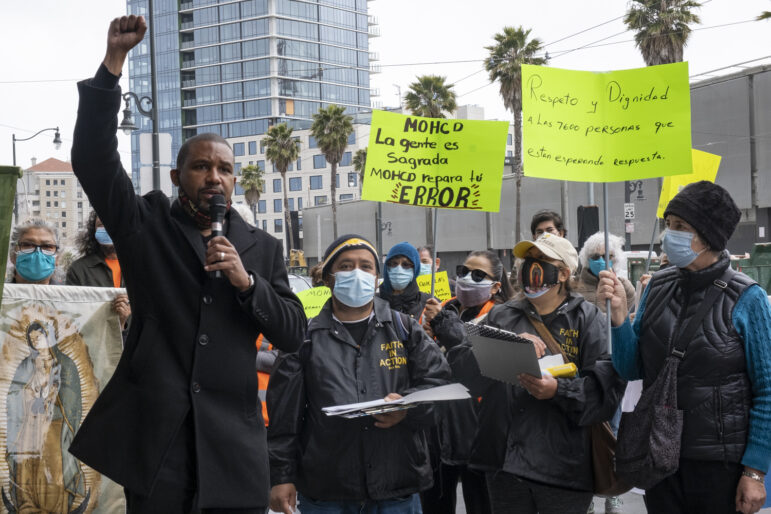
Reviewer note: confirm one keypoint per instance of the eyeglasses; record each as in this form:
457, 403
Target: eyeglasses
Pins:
596, 256
27, 247
477, 275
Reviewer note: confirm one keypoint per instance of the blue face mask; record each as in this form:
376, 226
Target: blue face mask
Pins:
102, 237
354, 288
425, 269
677, 246
597, 265
35, 266
400, 277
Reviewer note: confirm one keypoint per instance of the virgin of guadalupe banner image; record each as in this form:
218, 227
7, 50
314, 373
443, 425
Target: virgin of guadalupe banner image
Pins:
59, 345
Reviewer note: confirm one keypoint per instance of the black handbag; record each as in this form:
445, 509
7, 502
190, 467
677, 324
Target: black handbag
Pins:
649, 439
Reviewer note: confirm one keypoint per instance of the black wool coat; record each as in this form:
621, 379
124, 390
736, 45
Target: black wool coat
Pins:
191, 349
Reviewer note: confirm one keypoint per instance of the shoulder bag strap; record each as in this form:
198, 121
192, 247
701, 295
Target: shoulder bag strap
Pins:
715, 289
548, 338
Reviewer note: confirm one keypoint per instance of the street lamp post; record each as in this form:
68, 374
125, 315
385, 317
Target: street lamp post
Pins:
152, 112
57, 144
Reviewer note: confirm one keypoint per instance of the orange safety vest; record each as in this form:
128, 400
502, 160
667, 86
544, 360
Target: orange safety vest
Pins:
489, 304
262, 377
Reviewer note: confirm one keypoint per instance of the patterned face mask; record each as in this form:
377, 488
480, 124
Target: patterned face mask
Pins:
537, 277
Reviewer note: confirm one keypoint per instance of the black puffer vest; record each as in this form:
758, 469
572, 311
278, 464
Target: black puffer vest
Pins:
712, 383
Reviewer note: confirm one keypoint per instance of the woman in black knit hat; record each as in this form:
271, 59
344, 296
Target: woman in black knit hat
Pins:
724, 376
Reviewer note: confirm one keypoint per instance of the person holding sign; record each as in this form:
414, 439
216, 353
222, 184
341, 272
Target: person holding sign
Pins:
592, 260
534, 437
357, 349
480, 285
724, 374
400, 288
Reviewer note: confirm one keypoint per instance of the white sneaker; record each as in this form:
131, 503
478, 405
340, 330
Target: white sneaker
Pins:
591, 508
613, 505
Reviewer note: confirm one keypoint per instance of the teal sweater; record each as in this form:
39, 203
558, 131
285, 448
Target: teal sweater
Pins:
752, 320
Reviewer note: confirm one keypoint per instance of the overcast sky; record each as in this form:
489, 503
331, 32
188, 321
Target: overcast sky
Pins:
47, 45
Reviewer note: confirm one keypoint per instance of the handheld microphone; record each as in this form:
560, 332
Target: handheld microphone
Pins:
217, 208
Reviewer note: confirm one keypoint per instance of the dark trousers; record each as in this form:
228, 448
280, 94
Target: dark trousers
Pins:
442, 497
701, 487
509, 494
175, 487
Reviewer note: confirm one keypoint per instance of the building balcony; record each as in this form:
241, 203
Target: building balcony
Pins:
185, 6
374, 56
189, 103
187, 64
188, 83
373, 31
372, 20
374, 92
376, 104
186, 25
186, 44
374, 68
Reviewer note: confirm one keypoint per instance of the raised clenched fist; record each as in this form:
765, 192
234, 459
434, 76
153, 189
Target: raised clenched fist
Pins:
124, 34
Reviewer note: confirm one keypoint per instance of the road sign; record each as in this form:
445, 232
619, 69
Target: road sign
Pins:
628, 211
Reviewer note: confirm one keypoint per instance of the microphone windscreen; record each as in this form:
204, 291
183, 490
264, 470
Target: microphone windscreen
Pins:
217, 207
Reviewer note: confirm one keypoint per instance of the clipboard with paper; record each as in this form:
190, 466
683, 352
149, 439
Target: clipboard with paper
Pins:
503, 355
434, 394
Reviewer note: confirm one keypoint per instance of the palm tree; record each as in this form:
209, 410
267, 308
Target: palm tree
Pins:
430, 97
511, 50
331, 128
662, 28
282, 150
360, 164
252, 184
765, 15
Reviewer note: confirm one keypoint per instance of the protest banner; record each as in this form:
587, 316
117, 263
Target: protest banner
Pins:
606, 127
441, 285
705, 166
314, 299
435, 162
59, 347
8, 177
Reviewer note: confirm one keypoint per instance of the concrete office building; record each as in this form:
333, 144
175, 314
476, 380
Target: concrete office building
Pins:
49, 190
236, 67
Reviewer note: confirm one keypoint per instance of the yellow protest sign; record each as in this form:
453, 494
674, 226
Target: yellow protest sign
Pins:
705, 167
435, 162
314, 299
606, 127
441, 287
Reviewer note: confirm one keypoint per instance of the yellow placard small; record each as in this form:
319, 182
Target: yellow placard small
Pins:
314, 299
441, 288
705, 166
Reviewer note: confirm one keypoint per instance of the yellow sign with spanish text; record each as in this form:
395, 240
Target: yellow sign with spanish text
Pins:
314, 299
606, 127
441, 287
435, 162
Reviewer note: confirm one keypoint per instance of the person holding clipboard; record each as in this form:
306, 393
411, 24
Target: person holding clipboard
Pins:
533, 439
357, 349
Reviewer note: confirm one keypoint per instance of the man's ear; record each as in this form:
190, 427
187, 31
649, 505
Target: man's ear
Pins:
174, 174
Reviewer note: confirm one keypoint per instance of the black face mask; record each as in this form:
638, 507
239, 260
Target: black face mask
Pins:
537, 276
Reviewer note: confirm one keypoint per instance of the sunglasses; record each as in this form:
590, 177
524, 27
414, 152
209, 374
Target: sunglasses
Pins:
477, 275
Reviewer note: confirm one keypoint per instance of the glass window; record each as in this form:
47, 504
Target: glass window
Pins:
237, 170
258, 68
233, 111
337, 180
352, 138
346, 197
346, 160
56, 182
231, 72
276, 185
207, 55
296, 184
256, 108
207, 75
298, 49
290, 201
254, 28
230, 52
277, 205
261, 164
238, 149
353, 179
319, 200
297, 9
252, 147
278, 225
299, 89
298, 29
230, 32
261, 206
300, 206
229, 12
319, 162
254, 8
48, 182
232, 91
255, 88
299, 164
508, 139
254, 48
316, 182
265, 225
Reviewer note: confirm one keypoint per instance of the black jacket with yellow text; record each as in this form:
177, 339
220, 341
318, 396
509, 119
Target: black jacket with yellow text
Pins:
547, 441
332, 458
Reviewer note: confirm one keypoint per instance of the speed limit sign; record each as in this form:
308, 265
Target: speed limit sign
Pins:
628, 211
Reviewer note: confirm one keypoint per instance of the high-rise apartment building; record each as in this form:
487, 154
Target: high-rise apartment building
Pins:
236, 67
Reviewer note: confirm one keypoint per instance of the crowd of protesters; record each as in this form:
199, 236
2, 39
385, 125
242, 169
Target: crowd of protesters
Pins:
180, 424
